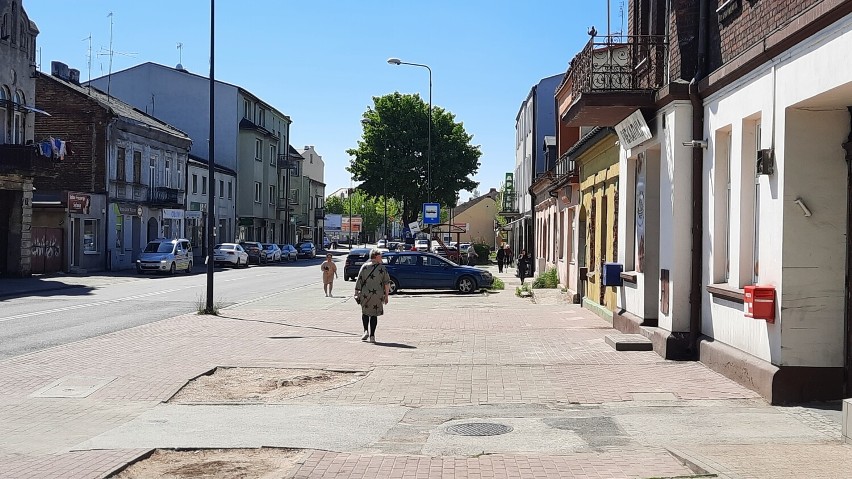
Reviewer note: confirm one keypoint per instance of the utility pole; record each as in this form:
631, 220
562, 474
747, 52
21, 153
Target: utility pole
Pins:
211, 218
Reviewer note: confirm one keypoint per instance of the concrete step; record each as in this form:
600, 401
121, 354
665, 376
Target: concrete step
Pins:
629, 342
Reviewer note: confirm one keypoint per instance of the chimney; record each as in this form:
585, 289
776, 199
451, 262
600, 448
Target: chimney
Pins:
74, 76
59, 70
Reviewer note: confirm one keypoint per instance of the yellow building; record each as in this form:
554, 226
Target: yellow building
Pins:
597, 156
477, 215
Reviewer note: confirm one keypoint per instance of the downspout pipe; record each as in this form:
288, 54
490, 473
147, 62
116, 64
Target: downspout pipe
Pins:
695, 293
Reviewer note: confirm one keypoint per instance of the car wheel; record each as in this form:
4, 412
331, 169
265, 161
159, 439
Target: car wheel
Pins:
393, 287
237, 265
466, 285
172, 269
189, 267
139, 271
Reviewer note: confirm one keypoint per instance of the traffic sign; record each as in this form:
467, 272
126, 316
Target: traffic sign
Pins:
431, 213
414, 227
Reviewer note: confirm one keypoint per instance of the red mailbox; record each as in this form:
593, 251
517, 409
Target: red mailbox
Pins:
760, 302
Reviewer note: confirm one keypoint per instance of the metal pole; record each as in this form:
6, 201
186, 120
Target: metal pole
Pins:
211, 217
429, 151
350, 218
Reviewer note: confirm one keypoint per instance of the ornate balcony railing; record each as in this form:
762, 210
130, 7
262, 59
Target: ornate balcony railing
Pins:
565, 167
162, 196
612, 63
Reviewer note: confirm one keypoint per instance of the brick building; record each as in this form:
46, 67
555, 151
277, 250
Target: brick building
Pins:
122, 182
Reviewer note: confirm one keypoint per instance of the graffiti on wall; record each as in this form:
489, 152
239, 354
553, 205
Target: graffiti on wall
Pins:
46, 256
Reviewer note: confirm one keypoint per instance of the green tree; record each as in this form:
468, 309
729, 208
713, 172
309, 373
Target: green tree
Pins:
334, 205
391, 157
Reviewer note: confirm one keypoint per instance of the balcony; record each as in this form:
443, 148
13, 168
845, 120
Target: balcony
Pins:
566, 170
319, 213
611, 78
24, 160
282, 204
162, 197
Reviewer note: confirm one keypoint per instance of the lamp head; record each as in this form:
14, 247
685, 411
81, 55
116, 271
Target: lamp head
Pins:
366, 121
394, 61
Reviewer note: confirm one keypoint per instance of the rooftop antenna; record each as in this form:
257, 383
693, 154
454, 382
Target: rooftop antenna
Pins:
608, 31
89, 60
110, 53
180, 56
621, 23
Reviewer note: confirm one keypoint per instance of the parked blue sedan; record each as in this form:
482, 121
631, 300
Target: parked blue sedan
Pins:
417, 270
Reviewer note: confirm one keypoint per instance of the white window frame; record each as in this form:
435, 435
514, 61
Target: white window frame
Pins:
221, 188
258, 149
152, 171
230, 190
273, 153
257, 192
755, 266
194, 184
204, 186
168, 171
271, 194
247, 110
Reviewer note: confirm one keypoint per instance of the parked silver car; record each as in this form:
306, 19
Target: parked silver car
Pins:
165, 255
230, 253
288, 252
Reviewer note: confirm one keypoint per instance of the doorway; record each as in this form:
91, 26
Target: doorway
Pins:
152, 229
135, 231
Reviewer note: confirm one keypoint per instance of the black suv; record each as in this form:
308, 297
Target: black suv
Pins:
357, 257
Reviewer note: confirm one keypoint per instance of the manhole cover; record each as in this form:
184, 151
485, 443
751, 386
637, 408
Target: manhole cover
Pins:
479, 429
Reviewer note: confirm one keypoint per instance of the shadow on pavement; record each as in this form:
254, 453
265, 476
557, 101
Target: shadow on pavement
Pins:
29, 287
396, 345
288, 325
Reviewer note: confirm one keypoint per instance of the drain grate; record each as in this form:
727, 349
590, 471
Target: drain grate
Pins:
479, 429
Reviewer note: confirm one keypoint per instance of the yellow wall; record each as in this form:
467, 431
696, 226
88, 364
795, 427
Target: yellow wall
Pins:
481, 219
599, 186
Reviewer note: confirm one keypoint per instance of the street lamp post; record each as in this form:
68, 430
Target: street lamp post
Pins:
211, 218
397, 61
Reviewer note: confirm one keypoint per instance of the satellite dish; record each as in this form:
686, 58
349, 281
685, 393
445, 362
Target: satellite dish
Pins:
180, 67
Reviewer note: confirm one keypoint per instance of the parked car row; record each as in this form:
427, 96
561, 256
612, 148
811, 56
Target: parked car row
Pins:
253, 252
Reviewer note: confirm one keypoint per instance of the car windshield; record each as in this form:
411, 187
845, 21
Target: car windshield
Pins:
157, 247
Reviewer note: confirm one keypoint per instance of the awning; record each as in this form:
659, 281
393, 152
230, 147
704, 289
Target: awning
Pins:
512, 223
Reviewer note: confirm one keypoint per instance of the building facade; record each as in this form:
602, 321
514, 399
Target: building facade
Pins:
250, 135
534, 122
18, 162
477, 216
122, 180
224, 193
312, 195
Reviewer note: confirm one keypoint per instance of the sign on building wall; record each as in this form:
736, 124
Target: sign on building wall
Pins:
633, 130
172, 214
79, 203
333, 222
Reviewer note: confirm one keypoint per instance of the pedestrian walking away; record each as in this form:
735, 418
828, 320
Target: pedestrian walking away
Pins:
372, 289
510, 258
523, 265
329, 272
501, 256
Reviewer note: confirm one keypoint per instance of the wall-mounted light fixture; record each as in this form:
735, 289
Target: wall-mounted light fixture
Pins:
803, 206
695, 144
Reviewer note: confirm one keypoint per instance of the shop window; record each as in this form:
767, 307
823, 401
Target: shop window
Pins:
90, 236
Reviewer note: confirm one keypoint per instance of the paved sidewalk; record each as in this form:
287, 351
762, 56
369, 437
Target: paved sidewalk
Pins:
578, 407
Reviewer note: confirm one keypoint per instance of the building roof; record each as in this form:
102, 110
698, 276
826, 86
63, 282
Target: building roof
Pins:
492, 193
119, 108
202, 162
186, 72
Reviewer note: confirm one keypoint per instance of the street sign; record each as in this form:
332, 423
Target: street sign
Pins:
431, 213
414, 227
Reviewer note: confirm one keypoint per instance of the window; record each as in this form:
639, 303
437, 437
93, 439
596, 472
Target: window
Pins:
258, 149
4, 27
756, 253
203, 185
152, 172
294, 196
168, 182
121, 165
294, 169
749, 197
722, 207
4, 96
18, 121
271, 195
230, 191
137, 167
90, 236
222, 188
273, 154
257, 192
261, 117
247, 109
194, 184
180, 174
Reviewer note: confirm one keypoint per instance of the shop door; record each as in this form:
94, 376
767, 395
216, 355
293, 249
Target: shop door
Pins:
76, 247
47, 249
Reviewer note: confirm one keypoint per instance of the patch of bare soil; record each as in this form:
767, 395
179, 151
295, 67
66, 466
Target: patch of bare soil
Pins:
260, 385
214, 464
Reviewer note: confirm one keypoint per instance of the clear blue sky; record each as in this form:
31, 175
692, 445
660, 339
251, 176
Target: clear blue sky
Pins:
322, 61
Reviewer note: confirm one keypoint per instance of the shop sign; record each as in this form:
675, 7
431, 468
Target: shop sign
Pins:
192, 215
633, 130
129, 210
79, 203
246, 222
172, 214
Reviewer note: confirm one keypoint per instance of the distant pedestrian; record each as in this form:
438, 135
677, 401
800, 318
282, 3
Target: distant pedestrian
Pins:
510, 258
471, 255
501, 257
329, 272
523, 265
372, 289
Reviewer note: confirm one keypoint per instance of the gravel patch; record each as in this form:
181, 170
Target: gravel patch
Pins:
263, 463
260, 385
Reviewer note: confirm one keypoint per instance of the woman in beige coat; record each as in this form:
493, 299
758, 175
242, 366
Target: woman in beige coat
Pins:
372, 288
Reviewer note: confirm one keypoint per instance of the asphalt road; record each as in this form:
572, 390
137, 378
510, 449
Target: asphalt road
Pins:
36, 322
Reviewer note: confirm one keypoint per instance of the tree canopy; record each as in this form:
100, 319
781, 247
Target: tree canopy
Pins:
391, 157
370, 209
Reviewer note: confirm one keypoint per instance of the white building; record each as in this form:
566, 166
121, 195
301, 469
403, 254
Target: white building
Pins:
225, 181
